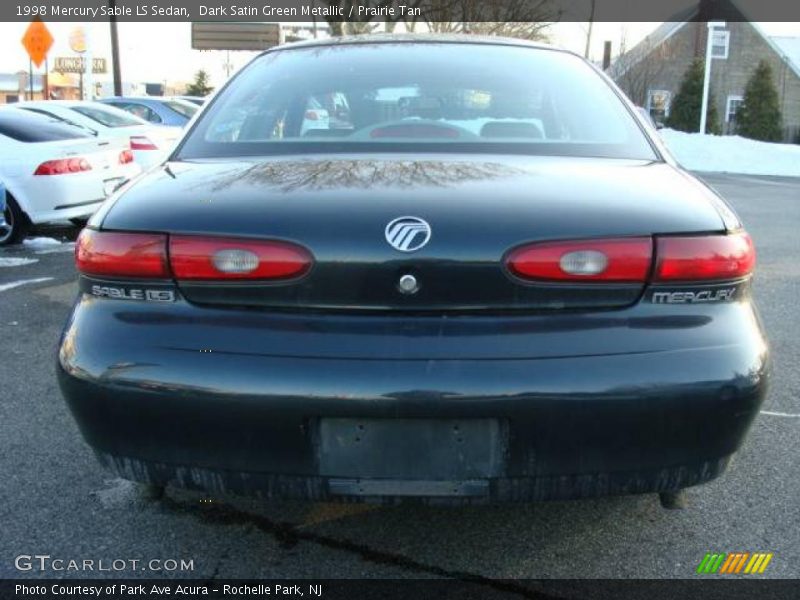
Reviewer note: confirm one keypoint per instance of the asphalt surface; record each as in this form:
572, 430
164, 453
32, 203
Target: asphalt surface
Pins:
55, 500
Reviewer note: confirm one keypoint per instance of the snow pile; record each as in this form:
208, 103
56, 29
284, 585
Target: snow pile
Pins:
732, 154
40, 242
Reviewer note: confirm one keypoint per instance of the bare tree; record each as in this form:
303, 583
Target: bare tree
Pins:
527, 19
367, 21
639, 70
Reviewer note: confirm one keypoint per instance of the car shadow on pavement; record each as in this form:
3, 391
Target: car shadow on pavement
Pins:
443, 541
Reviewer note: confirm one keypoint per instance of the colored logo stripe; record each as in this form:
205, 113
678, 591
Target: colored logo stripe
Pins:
734, 562
710, 563
758, 563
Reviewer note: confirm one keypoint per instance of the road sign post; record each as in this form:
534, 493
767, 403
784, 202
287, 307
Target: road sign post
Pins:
37, 42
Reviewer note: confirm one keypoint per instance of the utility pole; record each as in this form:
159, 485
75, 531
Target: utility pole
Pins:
88, 65
712, 25
115, 65
314, 17
228, 65
589, 32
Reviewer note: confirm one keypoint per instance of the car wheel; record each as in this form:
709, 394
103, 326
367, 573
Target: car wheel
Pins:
80, 223
16, 225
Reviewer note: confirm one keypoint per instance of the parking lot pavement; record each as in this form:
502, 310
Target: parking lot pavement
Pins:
55, 500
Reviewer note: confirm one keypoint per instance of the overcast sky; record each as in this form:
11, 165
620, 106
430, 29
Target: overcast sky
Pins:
157, 52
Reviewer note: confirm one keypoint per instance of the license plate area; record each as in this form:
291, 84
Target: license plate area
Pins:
413, 449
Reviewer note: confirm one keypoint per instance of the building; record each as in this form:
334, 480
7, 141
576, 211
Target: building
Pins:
651, 72
14, 87
63, 86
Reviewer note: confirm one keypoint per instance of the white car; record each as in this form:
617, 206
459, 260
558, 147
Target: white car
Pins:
315, 118
53, 171
150, 143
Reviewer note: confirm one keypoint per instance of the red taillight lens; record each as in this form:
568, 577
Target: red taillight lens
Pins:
312, 115
704, 258
141, 142
62, 166
214, 259
125, 157
114, 254
604, 260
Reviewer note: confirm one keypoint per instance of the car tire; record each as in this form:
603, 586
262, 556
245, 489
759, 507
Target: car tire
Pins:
17, 223
79, 223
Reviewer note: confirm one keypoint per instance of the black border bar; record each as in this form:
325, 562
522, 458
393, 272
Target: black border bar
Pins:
700, 588
401, 10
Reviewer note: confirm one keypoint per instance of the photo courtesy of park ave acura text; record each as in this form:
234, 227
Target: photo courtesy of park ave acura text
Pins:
354, 299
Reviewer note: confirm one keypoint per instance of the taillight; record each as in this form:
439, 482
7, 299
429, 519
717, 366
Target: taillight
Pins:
141, 142
312, 115
704, 258
604, 260
215, 259
125, 157
62, 166
114, 254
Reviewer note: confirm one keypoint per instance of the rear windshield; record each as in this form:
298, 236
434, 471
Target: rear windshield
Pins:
25, 126
58, 118
110, 117
183, 108
442, 97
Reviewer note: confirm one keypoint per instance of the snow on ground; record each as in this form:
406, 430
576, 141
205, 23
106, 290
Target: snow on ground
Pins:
40, 242
13, 261
13, 284
732, 154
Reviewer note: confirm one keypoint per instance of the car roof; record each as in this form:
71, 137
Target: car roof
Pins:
145, 99
410, 38
65, 103
134, 98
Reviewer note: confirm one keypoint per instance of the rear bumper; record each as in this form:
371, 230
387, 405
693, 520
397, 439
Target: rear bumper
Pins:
500, 489
158, 406
76, 195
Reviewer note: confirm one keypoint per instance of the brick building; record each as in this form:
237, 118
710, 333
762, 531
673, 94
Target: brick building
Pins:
651, 72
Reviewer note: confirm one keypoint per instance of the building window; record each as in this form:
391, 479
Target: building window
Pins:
720, 41
732, 108
658, 104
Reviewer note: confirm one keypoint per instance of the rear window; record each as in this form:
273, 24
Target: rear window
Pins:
182, 108
58, 118
29, 127
378, 97
110, 117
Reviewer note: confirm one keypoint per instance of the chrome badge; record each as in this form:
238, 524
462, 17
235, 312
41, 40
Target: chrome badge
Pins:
408, 234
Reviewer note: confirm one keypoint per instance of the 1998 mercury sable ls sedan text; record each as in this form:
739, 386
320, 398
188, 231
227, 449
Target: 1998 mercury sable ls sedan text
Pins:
480, 278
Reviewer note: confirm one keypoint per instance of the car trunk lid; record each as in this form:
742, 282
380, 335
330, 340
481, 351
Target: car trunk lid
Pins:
478, 209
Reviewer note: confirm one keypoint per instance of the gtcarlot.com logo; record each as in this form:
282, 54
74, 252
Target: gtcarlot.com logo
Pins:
734, 563
45, 563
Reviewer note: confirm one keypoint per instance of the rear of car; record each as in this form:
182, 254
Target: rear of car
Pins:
172, 112
53, 171
485, 284
197, 100
150, 144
